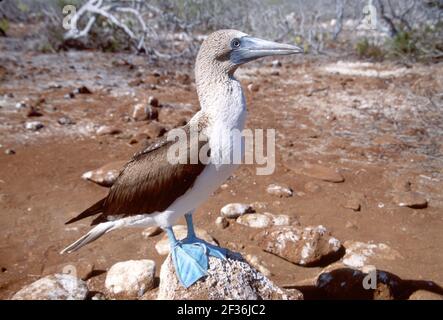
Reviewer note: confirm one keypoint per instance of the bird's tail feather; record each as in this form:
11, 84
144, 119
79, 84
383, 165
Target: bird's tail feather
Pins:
92, 210
92, 235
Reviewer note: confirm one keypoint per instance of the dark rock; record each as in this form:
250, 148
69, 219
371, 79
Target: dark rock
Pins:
345, 283
153, 101
34, 112
252, 87
83, 90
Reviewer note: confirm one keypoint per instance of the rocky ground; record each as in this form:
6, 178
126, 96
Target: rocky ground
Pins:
358, 180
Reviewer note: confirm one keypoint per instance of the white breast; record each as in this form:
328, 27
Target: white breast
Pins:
227, 112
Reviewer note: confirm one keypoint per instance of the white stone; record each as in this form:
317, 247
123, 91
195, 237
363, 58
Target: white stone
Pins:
54, 287
279, 190
130, 278
255, 220
33, 125
235, 210
279, 219
105, 175
359, 254
221, 222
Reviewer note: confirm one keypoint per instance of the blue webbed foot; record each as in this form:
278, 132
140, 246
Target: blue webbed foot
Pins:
190, 261
191, 255
211, 249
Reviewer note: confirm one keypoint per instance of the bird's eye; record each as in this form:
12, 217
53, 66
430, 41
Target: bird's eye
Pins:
235, 43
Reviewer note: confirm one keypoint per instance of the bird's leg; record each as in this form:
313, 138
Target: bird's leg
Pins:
212, 250
190, 260
190, 225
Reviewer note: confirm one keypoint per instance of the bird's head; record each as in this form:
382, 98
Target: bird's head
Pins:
226, 50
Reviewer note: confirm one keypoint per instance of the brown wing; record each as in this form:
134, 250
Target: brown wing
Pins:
148, 183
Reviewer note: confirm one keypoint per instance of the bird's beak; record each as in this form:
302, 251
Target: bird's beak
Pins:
253, 48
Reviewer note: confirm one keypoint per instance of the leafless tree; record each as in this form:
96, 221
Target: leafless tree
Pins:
172, 28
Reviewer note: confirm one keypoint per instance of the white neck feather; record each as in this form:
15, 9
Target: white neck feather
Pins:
222, 101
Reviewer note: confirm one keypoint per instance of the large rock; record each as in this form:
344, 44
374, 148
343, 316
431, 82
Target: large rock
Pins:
180, 232
105, 175
235, 210
130, 279
346, 283
359, 254
230, 279
300, 246
361, 275
54, 287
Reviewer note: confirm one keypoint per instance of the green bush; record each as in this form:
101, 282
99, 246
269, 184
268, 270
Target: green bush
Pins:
367, 50
4, 26
402, 44
421, 44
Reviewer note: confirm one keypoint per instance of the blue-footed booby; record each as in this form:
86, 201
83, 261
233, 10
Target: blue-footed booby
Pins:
153, 191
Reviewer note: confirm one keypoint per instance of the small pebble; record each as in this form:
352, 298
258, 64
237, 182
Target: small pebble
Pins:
153, 101
222, 222
33, 125
65, 121
9, 151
